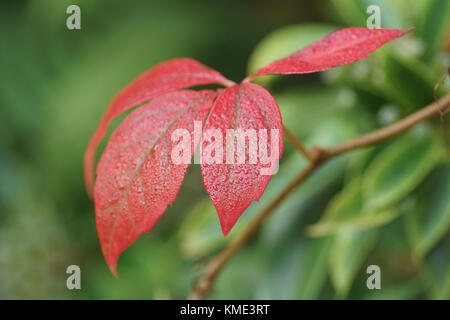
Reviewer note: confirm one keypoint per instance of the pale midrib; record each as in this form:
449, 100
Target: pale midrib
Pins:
236, 115
344, 46
267, 125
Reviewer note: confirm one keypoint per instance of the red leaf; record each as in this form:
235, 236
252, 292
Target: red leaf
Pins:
233, 186
338, 48
164, 77
136, 177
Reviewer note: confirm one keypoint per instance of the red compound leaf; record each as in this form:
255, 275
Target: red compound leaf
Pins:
136, 176
143, 165
235, 179
168, 76
338, 48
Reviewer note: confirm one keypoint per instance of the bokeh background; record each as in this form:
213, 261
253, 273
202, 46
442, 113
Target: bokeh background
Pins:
387, 205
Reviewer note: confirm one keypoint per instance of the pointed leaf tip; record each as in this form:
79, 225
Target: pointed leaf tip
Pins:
235, 178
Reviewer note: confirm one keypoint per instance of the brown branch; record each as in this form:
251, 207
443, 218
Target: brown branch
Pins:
317, 157
297, 143
439, 107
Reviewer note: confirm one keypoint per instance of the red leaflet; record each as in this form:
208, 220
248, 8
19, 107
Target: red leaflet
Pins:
232, 185
167, 76
338, 48
137, 178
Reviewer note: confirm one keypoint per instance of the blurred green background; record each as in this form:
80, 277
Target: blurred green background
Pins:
387, 205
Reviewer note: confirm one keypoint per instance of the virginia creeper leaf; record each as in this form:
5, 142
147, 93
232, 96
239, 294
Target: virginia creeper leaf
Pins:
136, 175
167, 76
347, 255
233, 185
341, 47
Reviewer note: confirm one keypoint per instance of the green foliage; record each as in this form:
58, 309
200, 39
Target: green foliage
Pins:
348, 211
347, 255
433, 24
429, 220
398, 169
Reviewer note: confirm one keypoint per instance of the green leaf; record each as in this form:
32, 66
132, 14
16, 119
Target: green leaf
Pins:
200, 232
442, 291
306, 200
348, 253
436, 270
350, 11
406, 290
408, 82
429, 221
243, 276
298, 268
432, 28
398, 169
303, 108
347, 213
314, 269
